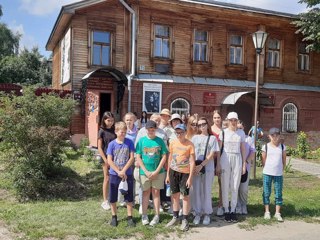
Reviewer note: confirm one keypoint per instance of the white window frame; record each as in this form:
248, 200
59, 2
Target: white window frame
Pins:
290, 118
180, 110
237, 50
273, 54
101, 45
162, 39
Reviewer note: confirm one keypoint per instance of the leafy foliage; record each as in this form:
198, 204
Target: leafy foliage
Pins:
309, 24
302, 145
35, 130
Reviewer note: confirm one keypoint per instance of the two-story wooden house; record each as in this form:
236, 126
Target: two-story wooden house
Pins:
191, 56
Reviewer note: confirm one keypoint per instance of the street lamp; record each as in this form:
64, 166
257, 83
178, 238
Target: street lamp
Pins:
259, 39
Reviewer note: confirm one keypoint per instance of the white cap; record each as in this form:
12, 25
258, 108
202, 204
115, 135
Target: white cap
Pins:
232, 115
175, 116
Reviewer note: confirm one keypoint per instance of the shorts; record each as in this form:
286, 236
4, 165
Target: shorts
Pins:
157, 183
178, 182
114, 181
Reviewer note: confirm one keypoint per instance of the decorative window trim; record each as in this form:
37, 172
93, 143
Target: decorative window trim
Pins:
171, 41
242, 46
180, 110
290, 118
274, 50
208, 44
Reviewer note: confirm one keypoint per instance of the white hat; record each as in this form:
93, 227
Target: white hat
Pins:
175, 116
232, 115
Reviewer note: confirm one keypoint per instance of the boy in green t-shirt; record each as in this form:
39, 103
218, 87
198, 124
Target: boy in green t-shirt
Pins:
151, 156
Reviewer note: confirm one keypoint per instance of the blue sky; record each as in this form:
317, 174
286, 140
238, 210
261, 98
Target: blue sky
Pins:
34, 19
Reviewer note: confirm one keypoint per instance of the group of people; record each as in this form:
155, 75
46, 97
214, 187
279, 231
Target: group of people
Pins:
165, 155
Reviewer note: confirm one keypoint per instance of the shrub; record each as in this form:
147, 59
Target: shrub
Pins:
35, 130
302, 145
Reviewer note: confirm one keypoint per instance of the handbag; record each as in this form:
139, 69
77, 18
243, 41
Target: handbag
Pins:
198, 162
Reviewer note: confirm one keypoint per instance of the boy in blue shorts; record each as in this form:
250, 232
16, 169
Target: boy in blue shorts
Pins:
120, 158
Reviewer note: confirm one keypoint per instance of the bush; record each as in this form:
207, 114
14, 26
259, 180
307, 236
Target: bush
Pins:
302, 145
35, 130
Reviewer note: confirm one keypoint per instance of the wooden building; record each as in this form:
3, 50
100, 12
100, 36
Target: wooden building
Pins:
191, 56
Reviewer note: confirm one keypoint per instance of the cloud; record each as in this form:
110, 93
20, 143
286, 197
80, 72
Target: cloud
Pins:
43, 7
26, 41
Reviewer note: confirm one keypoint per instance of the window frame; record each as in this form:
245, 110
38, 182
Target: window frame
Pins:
307, 53
154, 38
101, 44
201, 43
236, 46
180, 110
273, 51
286, 120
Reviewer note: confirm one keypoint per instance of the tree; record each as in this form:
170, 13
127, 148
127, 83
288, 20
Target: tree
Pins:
309, 24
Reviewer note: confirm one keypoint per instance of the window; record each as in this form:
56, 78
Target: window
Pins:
180, 106
161, 41
303, 58
289, 118
273, 53
200, 46
101, 48
236, 49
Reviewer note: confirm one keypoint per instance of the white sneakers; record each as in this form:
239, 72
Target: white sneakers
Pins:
267, 216
206, 220
145, 220
155, 220
196, 220
220, 211
278, 217
106, 205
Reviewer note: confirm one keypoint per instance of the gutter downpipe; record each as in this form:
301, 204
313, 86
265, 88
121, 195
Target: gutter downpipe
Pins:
133, 51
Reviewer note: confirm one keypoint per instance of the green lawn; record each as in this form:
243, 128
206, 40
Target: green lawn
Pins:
83, 216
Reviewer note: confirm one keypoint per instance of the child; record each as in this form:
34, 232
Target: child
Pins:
273, 161
120, 158
151, 157
106, 135
180, 173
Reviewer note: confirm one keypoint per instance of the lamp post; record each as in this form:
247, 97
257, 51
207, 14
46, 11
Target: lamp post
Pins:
259, 39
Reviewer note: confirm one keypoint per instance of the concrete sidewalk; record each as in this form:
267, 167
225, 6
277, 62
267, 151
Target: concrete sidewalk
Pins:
305, 166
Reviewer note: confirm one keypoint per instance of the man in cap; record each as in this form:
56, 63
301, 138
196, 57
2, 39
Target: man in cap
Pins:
151, 156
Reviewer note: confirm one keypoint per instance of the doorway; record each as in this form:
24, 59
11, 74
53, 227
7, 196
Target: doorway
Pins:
245, 113
105, 104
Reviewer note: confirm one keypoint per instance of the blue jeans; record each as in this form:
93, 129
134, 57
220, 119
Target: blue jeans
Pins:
278, 184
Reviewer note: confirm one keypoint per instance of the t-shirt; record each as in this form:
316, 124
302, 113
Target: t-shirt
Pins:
107, 135
132, 134
273, 165
181, 153
120, 153
151, 152
159, 133
232, 140
200, 142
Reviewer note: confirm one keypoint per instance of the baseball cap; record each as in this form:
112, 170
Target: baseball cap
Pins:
274, 131
151, 124
175, 116
165, 111
232, 115
181, 126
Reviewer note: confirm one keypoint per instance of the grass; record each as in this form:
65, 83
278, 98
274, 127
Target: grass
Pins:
83, 216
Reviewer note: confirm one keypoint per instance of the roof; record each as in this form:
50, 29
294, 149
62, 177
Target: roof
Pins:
68, 11
223, 82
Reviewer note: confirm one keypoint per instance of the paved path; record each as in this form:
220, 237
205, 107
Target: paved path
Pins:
304, 166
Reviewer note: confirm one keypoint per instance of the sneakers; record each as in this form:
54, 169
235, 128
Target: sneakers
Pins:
145, 220
161, 209
131, 223
155, 220
244, 210
220, 211
233, 217
278, 217
106, 205
227, 217
114, 222
196, 220
184, 225
267, 216
173, 222
206, 220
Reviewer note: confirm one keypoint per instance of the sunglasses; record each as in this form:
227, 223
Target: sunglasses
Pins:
202, 124
194, 125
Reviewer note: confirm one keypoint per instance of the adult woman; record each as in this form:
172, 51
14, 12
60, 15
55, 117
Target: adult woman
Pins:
216, 129
192, 127
233, 165
105, 136
206, 146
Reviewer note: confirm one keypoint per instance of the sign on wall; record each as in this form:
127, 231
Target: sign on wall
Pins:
152, 94
65, 57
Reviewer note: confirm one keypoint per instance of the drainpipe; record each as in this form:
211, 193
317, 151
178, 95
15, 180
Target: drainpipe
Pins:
133, 50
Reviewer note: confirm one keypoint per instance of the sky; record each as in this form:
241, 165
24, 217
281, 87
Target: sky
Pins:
34, 19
